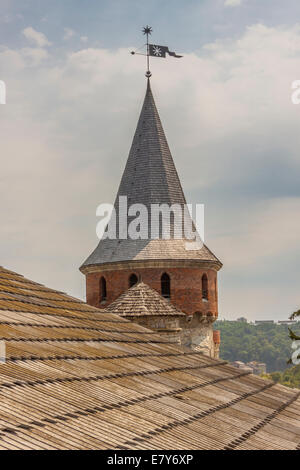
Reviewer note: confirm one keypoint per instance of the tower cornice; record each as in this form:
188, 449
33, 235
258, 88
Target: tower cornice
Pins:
162, 263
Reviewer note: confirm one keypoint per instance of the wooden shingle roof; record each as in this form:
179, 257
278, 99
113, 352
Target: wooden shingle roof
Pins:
140, 301
79, 378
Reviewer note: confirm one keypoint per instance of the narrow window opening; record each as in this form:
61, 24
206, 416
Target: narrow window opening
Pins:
204, 287
133, 280
165, 286
103, 292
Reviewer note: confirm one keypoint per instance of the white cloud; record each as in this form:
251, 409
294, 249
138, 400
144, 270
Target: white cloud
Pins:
232, 3
34, 54
36, 37
11, 59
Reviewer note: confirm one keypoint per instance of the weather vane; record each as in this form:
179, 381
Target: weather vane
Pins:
153, 50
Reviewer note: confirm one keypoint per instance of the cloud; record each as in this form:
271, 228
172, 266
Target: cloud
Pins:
232, 3
233, 132
36, 37
268, 230
68, 33
34, 54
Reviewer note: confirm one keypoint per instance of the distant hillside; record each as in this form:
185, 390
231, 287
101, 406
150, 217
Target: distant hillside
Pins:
269, 343
290, 377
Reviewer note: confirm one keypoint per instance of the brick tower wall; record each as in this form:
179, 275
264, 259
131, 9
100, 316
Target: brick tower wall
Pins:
186, 286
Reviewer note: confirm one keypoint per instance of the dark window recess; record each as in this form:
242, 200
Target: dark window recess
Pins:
103, 293
133, 280
204, 287
165, 286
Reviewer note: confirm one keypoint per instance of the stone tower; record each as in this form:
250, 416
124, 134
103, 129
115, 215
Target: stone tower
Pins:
186, 278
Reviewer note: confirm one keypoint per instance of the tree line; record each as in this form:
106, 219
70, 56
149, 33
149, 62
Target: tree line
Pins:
269, 343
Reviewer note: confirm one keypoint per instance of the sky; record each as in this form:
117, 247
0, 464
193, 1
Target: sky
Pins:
74, 94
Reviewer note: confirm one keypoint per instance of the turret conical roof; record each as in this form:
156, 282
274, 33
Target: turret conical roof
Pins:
150, 177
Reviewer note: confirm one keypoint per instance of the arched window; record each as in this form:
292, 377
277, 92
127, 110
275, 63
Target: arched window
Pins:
133, 279
103, 293
204, 287
165, 286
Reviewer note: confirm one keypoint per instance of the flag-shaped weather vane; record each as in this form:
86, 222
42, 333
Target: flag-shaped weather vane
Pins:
154, 50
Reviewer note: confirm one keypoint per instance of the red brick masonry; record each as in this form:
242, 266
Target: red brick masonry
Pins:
217, 336
186, 292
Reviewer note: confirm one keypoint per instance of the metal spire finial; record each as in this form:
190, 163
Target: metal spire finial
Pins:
154, 50
147, 30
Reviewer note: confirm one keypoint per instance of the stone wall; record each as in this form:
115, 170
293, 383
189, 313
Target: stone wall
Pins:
197, 334
167, 327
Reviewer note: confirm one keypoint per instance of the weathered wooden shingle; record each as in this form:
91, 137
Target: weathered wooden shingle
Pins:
76, 377
140, 300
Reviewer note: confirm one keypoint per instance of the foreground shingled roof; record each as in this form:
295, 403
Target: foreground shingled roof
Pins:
78, 378
140, 301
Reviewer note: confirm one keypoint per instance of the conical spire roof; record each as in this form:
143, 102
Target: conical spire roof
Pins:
150, 177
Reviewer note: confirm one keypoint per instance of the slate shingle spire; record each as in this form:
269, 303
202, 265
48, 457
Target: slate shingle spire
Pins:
150, 177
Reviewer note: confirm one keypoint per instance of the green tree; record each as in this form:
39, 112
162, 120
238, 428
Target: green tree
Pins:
292, 333
269, 343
